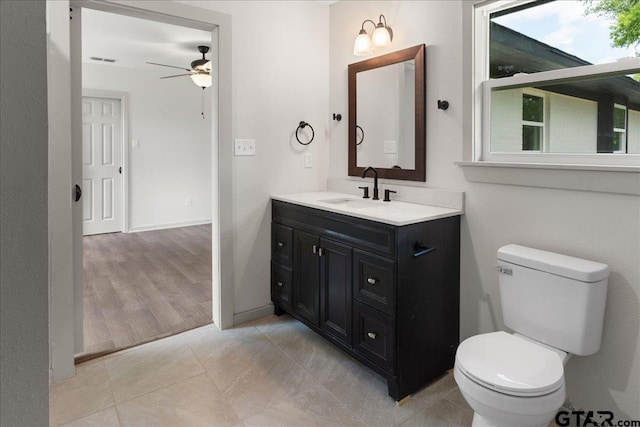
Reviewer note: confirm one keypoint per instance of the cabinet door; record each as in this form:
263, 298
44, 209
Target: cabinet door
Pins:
335, 289
306, 281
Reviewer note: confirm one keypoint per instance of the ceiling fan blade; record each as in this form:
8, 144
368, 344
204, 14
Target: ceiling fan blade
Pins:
170, 66
177, 75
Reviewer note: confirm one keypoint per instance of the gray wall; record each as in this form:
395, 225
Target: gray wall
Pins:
24, 335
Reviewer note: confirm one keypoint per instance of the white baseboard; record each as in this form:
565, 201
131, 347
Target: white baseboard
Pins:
249, 315
171, 225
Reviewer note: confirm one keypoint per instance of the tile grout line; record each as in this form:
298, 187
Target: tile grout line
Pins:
311, 375
163, 386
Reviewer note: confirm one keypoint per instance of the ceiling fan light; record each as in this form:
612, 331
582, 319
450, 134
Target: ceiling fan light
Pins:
202, 80
207, 66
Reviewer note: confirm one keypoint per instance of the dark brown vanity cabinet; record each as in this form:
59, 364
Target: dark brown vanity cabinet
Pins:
387, 295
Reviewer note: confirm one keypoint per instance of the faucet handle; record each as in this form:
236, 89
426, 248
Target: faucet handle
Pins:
387, 193
366, 192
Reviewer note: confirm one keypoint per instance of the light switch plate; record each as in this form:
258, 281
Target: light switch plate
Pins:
308, 160
136, 143
244, 147
390, 147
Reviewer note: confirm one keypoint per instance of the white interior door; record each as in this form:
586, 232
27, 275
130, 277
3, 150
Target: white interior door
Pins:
101, 165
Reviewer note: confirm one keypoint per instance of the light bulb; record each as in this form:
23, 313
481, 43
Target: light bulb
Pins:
381, 36
362, 46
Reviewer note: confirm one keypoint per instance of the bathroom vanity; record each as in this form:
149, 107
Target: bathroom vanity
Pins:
380, 280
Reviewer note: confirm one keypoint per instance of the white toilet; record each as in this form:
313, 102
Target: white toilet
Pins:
555, 304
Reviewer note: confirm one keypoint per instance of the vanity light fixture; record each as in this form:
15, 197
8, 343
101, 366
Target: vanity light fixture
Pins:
382, 36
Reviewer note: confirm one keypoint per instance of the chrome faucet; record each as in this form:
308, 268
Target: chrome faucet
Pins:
375, 181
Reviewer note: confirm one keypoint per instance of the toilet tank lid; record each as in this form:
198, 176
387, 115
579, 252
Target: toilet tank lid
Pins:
558, 264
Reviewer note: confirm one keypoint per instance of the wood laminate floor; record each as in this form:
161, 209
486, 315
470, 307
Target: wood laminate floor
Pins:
143, 286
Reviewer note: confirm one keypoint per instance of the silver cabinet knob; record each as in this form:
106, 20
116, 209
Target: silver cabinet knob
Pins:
280, 244
372, 280
372, 335
280, 284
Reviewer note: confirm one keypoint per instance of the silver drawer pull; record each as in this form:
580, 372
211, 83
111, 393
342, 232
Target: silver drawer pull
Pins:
372, 280
372, 335
280, 284
314, 249
280, 244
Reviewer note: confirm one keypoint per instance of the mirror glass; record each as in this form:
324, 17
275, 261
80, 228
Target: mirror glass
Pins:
387, 116
385, 99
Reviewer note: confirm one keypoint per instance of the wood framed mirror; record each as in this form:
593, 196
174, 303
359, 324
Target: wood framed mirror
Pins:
387, 121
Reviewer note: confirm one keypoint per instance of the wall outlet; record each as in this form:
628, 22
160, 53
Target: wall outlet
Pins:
390, 147
308, 160
187, 202
244, 147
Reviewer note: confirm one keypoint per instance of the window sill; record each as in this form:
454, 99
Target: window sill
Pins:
604, 179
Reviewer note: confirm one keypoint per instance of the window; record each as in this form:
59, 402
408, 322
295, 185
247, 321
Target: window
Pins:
619, 129
532, 122
576, 98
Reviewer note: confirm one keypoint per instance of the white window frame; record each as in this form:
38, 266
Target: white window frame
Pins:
623, 131
483, 87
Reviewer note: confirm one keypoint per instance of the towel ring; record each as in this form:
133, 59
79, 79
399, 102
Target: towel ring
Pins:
361, 130
302, 125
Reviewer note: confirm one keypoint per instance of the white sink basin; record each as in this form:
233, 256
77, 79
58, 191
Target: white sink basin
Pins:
349, 203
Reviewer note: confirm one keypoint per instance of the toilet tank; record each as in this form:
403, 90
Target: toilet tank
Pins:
554, 299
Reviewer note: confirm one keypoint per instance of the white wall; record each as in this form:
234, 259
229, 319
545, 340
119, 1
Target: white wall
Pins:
634, 132
571, 123
173, 161
599, 226
24, 311
280, 77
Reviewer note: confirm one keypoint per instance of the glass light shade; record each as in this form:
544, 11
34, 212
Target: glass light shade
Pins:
381, 36
207, 66
362, 46
201, 79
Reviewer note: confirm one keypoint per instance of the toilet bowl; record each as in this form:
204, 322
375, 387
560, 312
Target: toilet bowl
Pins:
555, 305
509, 381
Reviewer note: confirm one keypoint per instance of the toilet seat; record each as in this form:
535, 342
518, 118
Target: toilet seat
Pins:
510, 365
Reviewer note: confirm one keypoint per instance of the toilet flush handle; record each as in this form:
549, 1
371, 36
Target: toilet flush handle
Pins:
504, 270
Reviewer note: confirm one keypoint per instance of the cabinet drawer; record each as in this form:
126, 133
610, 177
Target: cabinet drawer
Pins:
282, 244
374, 335
281, 285
374, 279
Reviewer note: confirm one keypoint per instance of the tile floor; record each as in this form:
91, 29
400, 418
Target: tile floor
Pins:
270, 372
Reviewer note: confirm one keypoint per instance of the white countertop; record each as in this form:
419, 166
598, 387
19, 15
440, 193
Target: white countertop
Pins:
394, 212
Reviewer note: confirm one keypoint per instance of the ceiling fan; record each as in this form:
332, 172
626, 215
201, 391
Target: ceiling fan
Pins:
200, 71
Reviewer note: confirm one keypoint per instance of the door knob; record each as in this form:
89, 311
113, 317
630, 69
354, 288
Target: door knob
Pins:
77, 193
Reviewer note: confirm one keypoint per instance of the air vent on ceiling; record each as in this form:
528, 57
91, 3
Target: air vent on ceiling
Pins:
95, 58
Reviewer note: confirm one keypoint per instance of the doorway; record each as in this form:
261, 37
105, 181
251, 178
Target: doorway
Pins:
152, 135
65, 232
